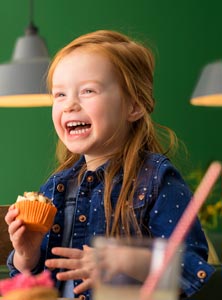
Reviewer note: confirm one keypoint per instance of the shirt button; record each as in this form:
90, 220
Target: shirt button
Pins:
82, 218
82, 297
90, 178
201, 274
60, 188
56, 228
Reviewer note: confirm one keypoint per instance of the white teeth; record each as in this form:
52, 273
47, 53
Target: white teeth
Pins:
71, 124
80, 131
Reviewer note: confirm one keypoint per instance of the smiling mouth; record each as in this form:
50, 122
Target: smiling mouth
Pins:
77, 127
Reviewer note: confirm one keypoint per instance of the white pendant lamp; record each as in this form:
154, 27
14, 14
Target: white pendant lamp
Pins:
208, 91
23, 79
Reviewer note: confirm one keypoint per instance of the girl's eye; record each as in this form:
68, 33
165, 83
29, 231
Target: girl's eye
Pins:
58, 95
87, 91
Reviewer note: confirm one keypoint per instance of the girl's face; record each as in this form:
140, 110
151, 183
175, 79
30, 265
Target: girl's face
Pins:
87, 108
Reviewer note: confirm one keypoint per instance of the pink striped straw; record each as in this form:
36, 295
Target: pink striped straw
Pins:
182, 227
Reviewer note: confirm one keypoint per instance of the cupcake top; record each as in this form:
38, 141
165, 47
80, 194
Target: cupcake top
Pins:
34, 196
26, 281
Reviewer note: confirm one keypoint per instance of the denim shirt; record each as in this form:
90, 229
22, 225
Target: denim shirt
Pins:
160, 199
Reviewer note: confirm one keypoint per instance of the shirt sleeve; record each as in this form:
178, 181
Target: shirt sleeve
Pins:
13, 271
172, 198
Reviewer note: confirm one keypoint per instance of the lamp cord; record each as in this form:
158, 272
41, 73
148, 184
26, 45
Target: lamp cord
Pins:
31, 29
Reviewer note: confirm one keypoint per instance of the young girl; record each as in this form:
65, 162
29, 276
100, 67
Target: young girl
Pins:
114, 177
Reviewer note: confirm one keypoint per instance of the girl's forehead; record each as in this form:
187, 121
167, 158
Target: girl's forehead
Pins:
84, 60
83, 65
83, 56
87, 51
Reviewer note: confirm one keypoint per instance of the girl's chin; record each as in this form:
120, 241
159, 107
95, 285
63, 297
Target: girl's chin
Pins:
75, 150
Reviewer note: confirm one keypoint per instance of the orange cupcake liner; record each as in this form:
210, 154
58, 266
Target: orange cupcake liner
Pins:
37, 216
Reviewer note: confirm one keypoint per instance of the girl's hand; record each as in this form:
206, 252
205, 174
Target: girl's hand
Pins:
26, 243
78, 264
132, 261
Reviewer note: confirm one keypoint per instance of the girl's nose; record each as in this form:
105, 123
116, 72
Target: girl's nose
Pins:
71, 105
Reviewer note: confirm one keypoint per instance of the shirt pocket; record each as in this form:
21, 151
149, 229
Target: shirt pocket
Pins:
139, 199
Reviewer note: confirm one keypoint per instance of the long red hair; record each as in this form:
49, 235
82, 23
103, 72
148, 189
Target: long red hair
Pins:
134, 65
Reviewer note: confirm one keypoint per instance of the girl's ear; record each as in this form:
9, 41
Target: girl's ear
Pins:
134, 112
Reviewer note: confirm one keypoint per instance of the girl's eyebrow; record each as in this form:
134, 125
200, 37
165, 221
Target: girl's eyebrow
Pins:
57, 86
90, 81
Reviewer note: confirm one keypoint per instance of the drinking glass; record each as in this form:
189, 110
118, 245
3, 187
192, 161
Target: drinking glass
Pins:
124, 264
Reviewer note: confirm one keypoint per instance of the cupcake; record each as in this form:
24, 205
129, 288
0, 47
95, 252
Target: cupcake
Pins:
29, 287
36, 211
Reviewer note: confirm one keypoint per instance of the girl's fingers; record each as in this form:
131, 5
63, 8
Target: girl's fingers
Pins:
63, 263
11, 207
72, 274
14, 227
15, 237
11, 215
76, 264
68, 252
82, 287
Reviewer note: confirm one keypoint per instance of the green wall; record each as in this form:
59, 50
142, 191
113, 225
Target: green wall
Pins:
186, 35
